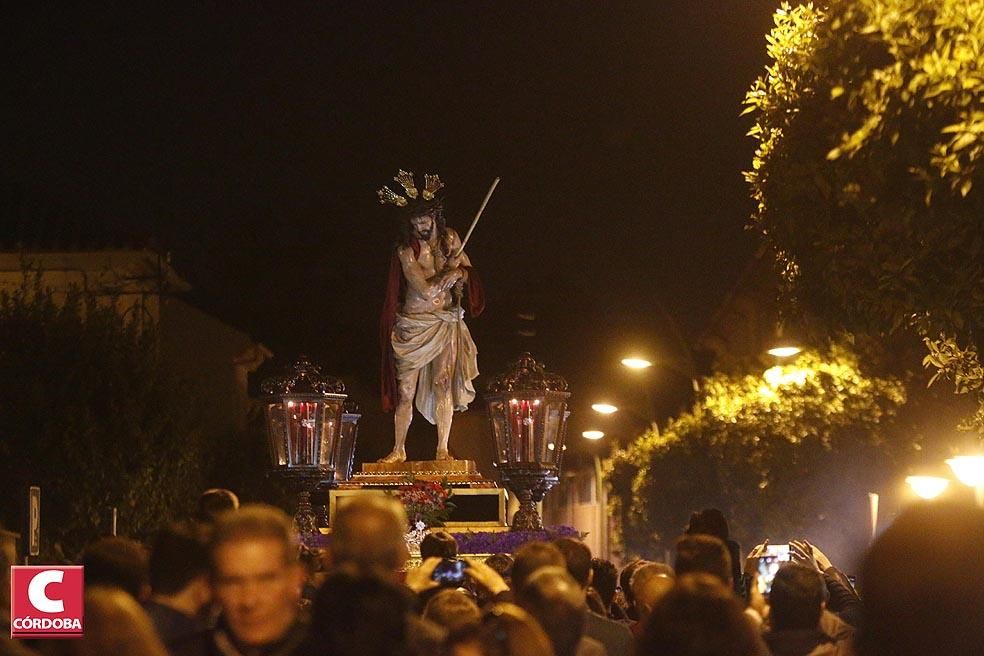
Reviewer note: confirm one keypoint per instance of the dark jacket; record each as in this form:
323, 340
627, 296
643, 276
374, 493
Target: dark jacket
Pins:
805, 642
615, 636
220, 642
172, 626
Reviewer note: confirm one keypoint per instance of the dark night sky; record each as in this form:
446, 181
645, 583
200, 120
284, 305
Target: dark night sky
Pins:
248, 140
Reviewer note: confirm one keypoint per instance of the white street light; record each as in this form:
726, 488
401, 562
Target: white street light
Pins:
784, 351
927, 487
636, 363
604, 408
592, 434
970, 471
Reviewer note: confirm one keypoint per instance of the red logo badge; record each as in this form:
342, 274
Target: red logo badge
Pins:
46, 601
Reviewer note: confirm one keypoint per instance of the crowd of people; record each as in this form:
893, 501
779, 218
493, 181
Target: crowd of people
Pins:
236, 582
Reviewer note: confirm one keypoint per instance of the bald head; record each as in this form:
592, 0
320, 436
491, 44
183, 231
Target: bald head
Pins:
650, 592
647, 572
367, 535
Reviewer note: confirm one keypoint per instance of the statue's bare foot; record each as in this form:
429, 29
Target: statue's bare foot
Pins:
443, 455
396, 455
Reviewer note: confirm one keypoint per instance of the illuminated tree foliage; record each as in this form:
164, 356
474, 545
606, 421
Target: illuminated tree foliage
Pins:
89, 412
783, 454
868, 171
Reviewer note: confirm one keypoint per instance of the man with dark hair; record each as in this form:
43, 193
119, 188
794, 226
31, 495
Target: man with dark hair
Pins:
796, 602
429, 357
604, 579
703, 553
624, 583
214, 502
256, 578
711, 521
117, 562
438, 544
616, 637
556, 600
531, 557
502, 563
699, 616
354, 615
452, 609
179, 583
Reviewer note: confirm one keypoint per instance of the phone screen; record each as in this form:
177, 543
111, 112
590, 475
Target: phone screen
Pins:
780, 551
450, 572
767, 568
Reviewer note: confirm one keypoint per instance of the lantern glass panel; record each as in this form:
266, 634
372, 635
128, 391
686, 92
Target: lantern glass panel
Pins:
304, 419
500, 431
331, 411
277, 432
555, 412
346, 446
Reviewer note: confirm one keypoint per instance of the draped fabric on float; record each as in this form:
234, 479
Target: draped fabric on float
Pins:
433, 342
447, 329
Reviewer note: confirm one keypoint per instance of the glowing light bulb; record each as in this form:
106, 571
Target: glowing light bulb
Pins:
927, 487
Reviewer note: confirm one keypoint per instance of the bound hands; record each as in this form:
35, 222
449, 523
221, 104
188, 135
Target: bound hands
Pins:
453, 273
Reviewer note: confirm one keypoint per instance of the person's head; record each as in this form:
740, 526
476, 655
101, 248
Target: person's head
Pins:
422, 226
577, 556
923, 584
797, 597
214, 502
703, 553
451, 609
556, 600
438, 544
709, 521
604, 579
647, 572
502, 563
355, 615
256, 573
625, 579
367, 535
650, 591
115, 624
699, 617
179, 567
505, 630
119, 562
531, 557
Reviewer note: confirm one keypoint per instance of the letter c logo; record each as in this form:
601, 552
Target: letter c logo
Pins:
37, 593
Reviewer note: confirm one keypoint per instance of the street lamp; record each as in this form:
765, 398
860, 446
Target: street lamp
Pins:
784, 351
592, 434
636, 363
969, 470
927, 487
604, 408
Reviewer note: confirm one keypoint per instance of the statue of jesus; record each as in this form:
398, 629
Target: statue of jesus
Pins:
429, 357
